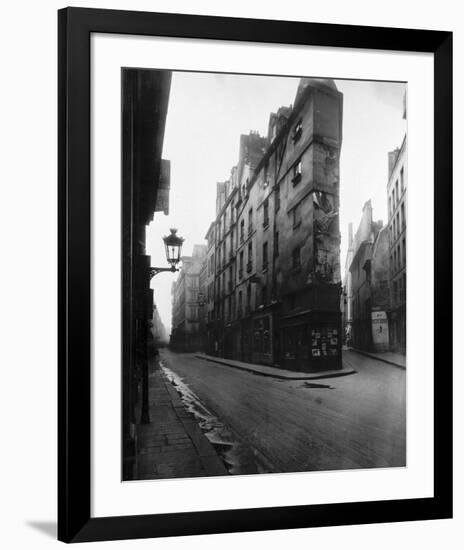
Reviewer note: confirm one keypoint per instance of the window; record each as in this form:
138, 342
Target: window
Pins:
242, 230
404, 251
266, 213
224, 256
389, 206
403, 219
250, 256
276, 244
396, 189
297, 130
277, 198
393, 199
296, 216
296, 258
265, 176
248, 298
231, 277
231, 252
264, 256
263, 294
367, 269
193, 313
397, 224
297, 170
250, 220
402, 179
239, 304
240, 265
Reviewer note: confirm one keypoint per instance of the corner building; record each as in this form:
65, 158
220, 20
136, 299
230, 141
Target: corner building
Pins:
274, 248
187, 333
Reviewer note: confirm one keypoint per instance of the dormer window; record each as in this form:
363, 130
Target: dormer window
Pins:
297, 131
297, 170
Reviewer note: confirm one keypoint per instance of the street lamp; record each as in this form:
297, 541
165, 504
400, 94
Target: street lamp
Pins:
173, 245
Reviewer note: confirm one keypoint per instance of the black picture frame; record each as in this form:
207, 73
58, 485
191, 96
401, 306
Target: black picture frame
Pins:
75, 26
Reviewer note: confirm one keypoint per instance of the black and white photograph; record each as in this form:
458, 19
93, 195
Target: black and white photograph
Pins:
264, 247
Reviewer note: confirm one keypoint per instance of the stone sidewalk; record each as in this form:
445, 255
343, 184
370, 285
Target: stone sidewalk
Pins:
276, 372
396, 359
172, 445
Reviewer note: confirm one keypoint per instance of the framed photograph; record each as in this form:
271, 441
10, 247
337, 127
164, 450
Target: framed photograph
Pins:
255, 302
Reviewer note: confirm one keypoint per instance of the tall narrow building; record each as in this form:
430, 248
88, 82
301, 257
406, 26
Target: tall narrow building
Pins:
397, 212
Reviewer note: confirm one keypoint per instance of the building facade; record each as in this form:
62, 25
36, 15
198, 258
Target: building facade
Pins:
397, 217
188, 330
145, 190
274, 248
369, 291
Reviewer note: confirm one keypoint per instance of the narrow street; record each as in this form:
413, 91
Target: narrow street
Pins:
356, 421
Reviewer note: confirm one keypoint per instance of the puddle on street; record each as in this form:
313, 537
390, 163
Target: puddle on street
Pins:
237, 457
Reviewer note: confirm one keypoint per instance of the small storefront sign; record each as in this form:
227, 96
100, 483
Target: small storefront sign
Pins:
380, 330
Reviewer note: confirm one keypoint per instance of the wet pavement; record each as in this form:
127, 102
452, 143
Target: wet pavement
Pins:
172, 445
262, 424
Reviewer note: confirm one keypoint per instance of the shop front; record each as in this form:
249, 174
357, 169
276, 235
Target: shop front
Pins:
311, 341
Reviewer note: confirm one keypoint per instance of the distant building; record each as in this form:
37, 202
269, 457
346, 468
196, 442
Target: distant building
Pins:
186, 309
274, 248
160, 335
397, 208
368, 272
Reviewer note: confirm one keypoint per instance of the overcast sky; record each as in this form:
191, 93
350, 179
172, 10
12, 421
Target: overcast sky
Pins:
208, 112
